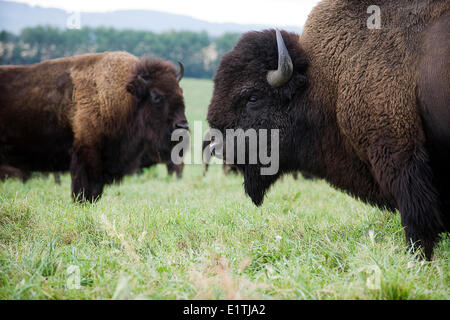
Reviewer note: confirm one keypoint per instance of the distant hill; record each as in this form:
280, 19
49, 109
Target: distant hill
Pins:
16, 16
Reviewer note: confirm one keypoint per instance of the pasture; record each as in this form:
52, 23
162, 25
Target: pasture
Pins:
154, 237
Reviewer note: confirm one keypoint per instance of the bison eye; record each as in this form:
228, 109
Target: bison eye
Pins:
156, 98
252, 102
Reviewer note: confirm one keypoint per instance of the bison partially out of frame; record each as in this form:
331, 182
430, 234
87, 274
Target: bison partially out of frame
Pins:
366, 109
93, 114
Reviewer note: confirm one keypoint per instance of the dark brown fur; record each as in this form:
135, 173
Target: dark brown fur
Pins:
353, 111
92, 114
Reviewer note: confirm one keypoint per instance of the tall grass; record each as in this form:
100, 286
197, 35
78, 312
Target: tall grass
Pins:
156, 237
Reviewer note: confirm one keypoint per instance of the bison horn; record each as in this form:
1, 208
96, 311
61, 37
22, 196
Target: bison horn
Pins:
180, 72
277, 78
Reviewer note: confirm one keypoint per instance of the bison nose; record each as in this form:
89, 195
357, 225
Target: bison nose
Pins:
183, 125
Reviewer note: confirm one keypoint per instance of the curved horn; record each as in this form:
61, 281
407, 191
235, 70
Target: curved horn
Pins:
277, 78
180, 72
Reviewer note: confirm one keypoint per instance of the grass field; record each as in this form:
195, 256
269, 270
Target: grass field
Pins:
153, 237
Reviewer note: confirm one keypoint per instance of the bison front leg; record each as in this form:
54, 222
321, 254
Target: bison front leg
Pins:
57, 178
410, 181
177, 168
86, 172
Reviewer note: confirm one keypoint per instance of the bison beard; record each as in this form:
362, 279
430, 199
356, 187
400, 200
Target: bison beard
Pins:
255, 184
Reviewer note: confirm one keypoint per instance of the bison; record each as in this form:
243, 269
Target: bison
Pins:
92, 114
366, 109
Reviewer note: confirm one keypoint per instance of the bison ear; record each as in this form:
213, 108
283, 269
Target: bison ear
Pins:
138, 87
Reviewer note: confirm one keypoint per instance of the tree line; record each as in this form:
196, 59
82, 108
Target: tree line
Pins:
199, 52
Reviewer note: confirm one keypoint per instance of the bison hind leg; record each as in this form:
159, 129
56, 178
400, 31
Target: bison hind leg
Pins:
57, 178
409, 179
175, 168
419, 203
87, 183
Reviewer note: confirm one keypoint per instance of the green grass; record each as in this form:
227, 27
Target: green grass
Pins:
156, 237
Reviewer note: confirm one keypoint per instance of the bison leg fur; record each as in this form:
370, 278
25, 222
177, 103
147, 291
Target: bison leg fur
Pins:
417, 199
57, 178
85, 169
177, 168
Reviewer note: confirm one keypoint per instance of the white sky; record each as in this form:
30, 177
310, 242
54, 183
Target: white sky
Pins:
273, 12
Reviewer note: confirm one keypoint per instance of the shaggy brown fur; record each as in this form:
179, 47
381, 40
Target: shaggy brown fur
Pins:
368, 110
93, 114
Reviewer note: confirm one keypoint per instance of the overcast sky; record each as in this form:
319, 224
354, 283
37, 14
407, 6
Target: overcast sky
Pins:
273, 12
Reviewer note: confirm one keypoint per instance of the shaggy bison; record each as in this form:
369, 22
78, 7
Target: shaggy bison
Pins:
366, 109
92, 114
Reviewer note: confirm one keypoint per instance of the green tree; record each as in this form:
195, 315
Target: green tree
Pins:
199, 53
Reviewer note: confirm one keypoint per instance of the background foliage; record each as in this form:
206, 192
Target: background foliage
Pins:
199, 52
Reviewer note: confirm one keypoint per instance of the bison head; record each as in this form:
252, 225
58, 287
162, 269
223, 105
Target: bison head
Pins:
155, 86
254, 88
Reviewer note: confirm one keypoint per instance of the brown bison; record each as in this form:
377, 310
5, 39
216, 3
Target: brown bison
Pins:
366, 109
92, 114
